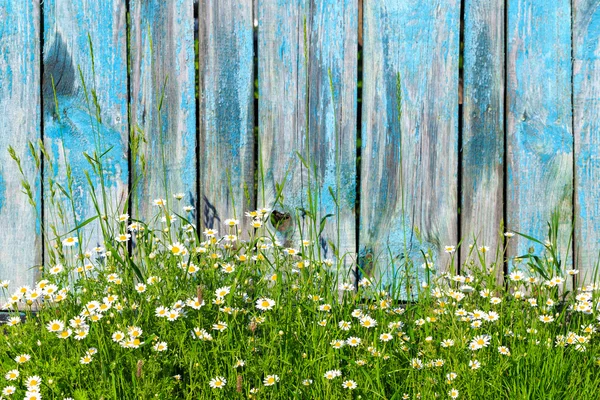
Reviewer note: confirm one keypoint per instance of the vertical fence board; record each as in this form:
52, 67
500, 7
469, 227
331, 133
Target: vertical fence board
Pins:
226, 148
483, 125
409, 174
332, 120
75, 129
539, 136
20, 104
282, 79
586, 109
162, 77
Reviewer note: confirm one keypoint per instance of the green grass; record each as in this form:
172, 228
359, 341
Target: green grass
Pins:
401, 356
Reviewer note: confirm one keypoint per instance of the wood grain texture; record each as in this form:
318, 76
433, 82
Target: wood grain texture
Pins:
20, 105
162, 77
483, 125
539, 136
74, 129
332, 121
586, 109
283, 111
409, 167
226, 151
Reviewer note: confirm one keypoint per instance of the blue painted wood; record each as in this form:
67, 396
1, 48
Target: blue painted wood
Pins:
163, 76
539, 136
409, 166
332, 48
20, 104
483, 126
74, 128
586, 124
226, 149
283, 102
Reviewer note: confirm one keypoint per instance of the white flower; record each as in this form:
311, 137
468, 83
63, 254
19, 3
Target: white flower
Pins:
332, 374
349, 384
70, 241
270, 380
218, 382
265, 304
160, 346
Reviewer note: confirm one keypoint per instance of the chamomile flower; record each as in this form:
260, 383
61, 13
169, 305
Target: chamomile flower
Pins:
160, 346
123, 237
265, 304
12, 375
349, 384
55, 326
70, 241
368, 322
270, 380
453, 393
218, 382
504, 350
86, 359
220, 326
332, 374
353, 341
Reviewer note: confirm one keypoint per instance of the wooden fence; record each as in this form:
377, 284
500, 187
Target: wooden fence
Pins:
499, 122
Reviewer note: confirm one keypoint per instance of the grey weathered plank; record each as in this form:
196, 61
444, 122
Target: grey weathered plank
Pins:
409, 167
20, 105
539, 133
332, 39
481, 213
74, 129
586, 129
226, 150
163, 103
283, 102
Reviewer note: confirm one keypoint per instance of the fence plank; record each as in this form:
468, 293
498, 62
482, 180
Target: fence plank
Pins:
409, 174
163, 102
333, 63
483, 125
227, 112
586, 109
20, 104
539, 136
282, 78
74, 128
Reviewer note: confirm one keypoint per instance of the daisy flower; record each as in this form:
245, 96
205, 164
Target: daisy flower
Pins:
231, 222
8, 390
12, 375
22, 358
385, 337
447, 343
218, 382
349, 384
345, 325
453, 393
474, 364
368, 322
86, 359
353, 341
176, 248
123, 237
160, 346
479, 342
222, 292
160, 202
33, 382
337, 344
546, 318
332, 374
504, 350
307, 382
220, 326
265, 304
270, 380
140, 288
70, 241
239, 363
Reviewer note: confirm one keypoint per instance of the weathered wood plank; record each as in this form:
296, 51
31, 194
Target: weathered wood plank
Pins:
226, 151
163, 102
74, 128
283, 101
586, 110
539, 133
20, 105
332, 120
409, 168
482, 199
